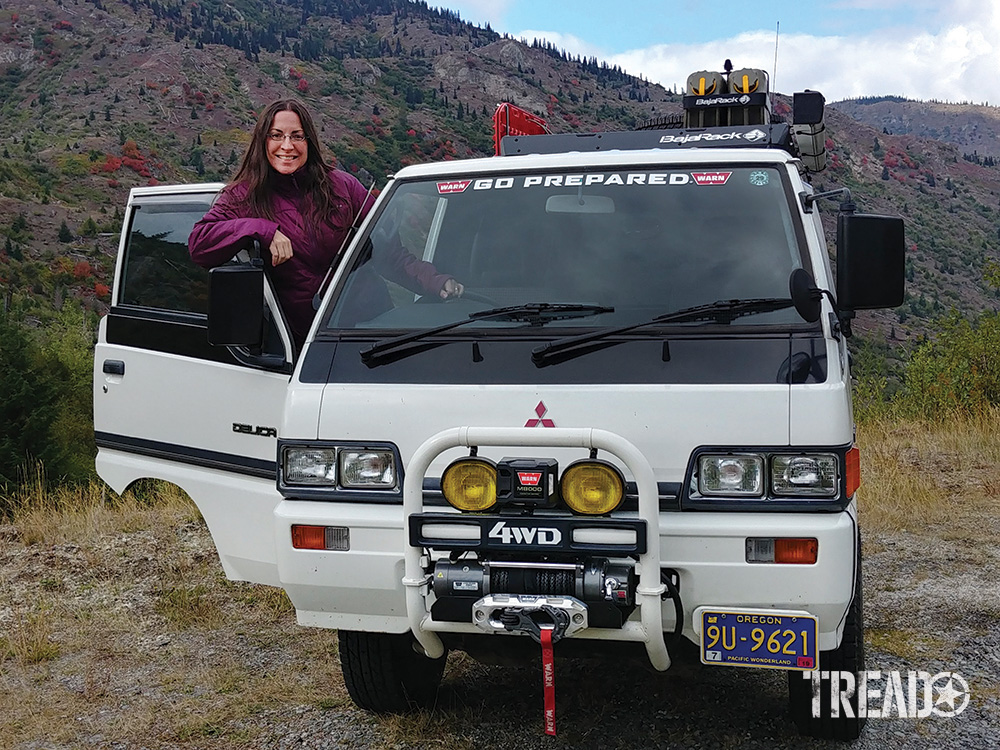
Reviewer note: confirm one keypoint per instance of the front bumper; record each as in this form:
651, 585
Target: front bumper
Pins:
382, 583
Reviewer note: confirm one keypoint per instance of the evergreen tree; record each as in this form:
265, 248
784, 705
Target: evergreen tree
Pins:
27, 405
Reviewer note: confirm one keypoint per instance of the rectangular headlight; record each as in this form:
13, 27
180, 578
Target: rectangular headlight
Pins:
312, 466
740, 475
361, 469
812, 475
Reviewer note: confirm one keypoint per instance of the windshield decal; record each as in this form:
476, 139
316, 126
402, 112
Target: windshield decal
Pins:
580, 180
711, 178
453, 186
759, 178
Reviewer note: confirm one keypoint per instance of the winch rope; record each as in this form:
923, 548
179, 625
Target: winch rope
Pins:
549, 680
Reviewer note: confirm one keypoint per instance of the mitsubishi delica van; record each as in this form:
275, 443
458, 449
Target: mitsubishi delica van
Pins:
634, 426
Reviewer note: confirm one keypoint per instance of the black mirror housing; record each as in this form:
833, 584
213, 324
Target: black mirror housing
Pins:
805, 296
807, 108
870, 262
236, 305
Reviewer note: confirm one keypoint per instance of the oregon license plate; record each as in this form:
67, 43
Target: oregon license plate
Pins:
758, 639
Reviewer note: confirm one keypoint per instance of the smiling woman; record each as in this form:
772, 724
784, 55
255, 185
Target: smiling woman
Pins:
294, 203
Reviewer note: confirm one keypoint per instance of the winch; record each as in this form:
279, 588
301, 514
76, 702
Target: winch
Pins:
605, 587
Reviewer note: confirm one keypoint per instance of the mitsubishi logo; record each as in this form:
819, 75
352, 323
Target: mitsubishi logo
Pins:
540, 410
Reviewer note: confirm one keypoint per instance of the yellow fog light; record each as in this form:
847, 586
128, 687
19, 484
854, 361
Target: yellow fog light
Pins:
470, 484
592, 487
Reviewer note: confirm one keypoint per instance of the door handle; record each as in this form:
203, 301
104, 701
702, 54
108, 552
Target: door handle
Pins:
114, 367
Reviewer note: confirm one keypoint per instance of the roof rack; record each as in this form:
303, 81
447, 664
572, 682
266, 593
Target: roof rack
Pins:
743, 136
729, 110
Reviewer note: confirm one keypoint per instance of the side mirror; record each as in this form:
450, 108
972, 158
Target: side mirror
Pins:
805, 295
236, 305
870, 262
807, 108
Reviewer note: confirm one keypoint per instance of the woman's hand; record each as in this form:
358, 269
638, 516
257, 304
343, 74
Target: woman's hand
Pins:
281, 248
452, 289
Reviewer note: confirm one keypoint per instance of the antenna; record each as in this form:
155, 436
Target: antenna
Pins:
774, 73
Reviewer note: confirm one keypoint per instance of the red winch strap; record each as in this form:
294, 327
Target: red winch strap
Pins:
549, 681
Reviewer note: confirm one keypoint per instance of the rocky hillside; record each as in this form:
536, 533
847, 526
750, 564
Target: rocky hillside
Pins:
973, 129
98, 97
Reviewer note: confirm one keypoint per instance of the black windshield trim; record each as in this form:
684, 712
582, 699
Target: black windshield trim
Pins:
529, 332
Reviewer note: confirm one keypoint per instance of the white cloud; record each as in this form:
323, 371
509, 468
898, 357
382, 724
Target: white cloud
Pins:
479, 12
571, 44
951, 58
954, 63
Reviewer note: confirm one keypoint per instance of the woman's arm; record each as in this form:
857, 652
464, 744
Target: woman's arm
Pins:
225, 230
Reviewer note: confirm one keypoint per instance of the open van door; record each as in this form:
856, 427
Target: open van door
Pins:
169, 405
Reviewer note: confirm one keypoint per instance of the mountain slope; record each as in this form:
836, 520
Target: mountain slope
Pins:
973, 129
98, 97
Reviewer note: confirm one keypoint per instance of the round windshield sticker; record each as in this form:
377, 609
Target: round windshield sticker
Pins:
759, 178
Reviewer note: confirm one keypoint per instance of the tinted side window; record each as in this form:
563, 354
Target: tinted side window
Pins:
158, 272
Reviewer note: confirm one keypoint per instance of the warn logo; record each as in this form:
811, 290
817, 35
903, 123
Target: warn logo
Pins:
529, 477
711, 178
455, 186
525, 535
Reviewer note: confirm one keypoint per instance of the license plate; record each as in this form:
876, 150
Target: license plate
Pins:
758, 639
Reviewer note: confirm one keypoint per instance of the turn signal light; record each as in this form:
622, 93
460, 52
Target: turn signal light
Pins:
796, 551
784, 551
470, 484
332, 538
308, 537
592, 488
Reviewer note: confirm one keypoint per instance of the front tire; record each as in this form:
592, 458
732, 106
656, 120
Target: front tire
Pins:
385, 674
849, 656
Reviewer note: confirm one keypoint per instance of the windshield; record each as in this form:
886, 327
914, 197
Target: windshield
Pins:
642, 242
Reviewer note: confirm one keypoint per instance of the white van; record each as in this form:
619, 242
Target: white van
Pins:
634, 425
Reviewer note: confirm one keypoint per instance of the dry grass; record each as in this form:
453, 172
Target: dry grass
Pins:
60, 515
110, 603
909, 645
916, 474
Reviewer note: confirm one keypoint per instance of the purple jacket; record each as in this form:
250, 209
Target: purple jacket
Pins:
227, 228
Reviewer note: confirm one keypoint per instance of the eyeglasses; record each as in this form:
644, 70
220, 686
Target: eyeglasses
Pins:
280, 137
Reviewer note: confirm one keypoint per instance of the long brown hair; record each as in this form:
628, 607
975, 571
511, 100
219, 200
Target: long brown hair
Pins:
255, 170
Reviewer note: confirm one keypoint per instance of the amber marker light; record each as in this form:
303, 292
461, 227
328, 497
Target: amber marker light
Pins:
470, 484
308, 537
853, 470
796, 551
592, 488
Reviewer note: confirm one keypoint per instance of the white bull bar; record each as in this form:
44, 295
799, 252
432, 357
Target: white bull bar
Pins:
649, 630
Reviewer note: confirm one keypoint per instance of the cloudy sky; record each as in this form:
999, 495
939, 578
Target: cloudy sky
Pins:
923, 49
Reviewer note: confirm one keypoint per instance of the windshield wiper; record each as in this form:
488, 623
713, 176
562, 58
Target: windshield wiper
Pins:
535, 313
723, 311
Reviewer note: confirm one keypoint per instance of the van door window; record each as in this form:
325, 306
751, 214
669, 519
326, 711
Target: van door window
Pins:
162, 301
158, 272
